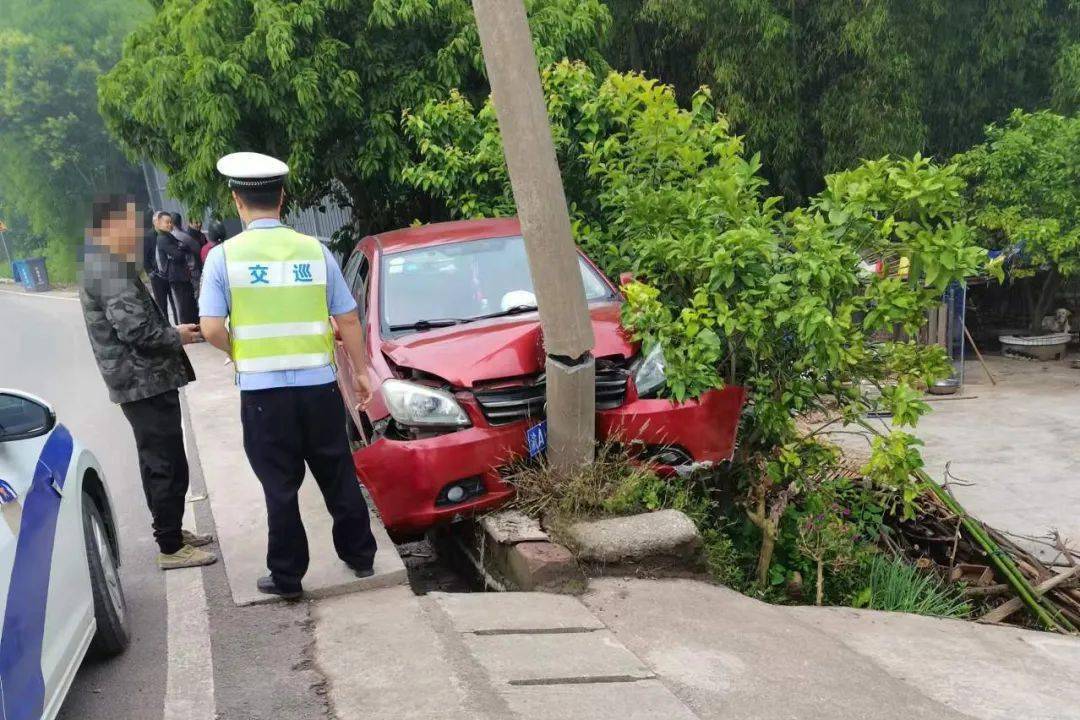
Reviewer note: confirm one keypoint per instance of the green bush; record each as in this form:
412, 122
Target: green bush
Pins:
732, 289
895, 585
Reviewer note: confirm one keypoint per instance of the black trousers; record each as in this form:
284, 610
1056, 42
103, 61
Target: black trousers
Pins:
183, 294
162, 463
283, 429
162, 297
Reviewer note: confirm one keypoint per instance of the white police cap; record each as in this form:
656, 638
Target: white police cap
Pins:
252, 170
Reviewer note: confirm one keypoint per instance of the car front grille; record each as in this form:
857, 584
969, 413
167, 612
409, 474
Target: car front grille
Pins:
504, 405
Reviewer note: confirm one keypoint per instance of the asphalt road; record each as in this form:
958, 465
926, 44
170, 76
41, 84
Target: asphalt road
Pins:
260, 656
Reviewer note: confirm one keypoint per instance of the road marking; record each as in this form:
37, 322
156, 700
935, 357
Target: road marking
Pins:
48, 296
189, 688
189, 685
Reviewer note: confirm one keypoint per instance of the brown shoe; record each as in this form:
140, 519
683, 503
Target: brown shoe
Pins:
185, 557
194, 539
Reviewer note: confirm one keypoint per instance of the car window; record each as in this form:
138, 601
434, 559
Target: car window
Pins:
351, 267
465, 280
359, 284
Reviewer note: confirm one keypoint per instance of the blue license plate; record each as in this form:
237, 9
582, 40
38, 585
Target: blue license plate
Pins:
536, 439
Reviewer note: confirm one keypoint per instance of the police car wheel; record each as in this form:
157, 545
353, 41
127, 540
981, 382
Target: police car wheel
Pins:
110, 607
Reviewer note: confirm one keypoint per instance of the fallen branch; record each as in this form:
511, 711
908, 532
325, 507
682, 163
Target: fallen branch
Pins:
1006, 609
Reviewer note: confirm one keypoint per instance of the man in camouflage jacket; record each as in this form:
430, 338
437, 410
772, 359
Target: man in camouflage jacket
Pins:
142, 360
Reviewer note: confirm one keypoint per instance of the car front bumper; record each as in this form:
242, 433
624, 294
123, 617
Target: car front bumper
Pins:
407, 477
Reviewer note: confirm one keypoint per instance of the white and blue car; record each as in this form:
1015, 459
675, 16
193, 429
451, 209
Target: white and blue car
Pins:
60, 592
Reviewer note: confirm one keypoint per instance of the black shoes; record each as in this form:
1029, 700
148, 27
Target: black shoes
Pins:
267, 586
362, 572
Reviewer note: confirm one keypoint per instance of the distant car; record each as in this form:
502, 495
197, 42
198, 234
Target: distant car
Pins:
60, 591
457, 361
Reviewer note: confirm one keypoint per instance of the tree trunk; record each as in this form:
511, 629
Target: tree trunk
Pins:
764, 562
1042, 306
820, 596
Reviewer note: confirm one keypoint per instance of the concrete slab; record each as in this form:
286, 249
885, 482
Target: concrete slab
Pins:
510, 527
548, 659
997, 673
495, 613
237, 499
664, 535
639, 700
727, 656
383, 659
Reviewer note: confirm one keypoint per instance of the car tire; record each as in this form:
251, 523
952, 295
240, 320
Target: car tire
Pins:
110, 607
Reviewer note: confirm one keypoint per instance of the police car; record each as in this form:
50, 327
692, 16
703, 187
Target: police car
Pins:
60, 592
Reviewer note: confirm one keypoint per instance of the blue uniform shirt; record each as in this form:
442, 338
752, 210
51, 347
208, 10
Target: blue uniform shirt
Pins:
215, 300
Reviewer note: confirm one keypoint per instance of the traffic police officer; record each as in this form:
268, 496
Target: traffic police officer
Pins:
278, 288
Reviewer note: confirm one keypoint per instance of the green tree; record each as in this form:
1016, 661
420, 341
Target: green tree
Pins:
816, 86
1024, 193
732, 290
56, 154
320, 83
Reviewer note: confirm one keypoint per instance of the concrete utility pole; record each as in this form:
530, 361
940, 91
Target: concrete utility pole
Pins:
545, 223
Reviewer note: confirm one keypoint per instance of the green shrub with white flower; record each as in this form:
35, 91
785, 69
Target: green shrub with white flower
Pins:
730, 287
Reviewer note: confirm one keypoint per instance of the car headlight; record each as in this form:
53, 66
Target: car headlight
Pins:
649, 376
412, 404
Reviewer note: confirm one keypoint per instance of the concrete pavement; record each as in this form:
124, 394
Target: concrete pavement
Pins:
1016, 441
677, 650
729, 656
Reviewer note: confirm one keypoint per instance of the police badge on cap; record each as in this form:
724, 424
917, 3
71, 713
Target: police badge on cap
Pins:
253, 171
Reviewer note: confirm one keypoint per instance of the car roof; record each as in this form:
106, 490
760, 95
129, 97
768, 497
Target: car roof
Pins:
447, 232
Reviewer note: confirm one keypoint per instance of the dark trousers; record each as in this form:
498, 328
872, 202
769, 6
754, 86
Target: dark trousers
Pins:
162, 463
183, 294
283, 429
162, 297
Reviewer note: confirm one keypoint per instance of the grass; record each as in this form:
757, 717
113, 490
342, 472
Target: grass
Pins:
896, 586
608, 486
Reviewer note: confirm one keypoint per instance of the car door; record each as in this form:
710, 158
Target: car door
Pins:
34, 458
356, 273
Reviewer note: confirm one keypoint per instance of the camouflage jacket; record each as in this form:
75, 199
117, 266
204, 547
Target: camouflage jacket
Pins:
138, 352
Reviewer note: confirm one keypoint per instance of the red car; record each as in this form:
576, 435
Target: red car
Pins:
457, 361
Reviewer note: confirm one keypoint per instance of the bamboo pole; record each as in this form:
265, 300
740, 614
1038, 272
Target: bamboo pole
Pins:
978, 354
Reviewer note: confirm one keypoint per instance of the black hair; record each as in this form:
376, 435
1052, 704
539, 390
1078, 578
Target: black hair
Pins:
105, 206
177, 220
216, 232
261, 198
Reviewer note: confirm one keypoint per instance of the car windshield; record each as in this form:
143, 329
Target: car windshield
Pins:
460, 282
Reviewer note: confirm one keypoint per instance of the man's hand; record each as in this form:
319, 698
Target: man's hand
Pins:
189, 334
362, 387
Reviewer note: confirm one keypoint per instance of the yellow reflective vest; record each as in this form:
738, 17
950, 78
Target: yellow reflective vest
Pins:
279, 319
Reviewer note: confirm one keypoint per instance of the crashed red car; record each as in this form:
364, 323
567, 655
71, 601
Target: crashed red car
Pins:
457, 361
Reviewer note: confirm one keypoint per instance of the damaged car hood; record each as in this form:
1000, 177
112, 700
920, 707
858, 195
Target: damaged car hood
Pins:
498, 348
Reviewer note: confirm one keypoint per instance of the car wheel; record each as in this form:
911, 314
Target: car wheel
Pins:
110, 607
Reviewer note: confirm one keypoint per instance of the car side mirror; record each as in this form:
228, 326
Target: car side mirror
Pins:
23, 417
626, 278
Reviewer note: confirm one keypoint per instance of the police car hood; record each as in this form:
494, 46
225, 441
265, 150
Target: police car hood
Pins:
498, 348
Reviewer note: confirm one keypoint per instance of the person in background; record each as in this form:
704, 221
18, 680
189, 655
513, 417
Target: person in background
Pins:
194, 229
158, 282
215, 236
143, 363
193, 248
173, 263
